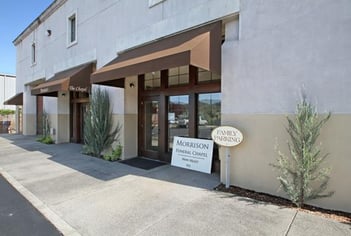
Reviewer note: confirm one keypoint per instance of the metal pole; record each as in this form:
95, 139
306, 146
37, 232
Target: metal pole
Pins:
4, 106
227, 168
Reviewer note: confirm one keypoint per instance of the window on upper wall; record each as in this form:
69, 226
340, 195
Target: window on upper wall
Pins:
207, 76
178, 76
152, 80
33, 52
72, 29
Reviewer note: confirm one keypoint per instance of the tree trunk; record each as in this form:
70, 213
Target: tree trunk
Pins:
302, 192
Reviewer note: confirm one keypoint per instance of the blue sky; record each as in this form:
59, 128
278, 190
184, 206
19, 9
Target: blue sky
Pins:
15, 16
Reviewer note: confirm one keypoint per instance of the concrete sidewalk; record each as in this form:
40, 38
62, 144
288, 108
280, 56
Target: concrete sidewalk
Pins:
82, 195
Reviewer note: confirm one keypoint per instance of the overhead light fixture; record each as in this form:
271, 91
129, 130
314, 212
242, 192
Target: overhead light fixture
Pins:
48, 32
131, 85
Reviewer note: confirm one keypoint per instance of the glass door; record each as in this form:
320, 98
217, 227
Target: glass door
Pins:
151, 127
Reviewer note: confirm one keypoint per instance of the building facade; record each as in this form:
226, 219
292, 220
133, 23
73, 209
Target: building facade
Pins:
182, 68
9, 100
7, 90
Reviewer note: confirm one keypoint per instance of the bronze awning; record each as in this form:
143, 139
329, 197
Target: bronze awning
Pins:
74, 79
199, 47
15, 100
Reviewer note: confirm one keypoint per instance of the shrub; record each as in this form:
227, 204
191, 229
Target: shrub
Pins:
6, 112
99, 133
300, 174
115, 155
46, 138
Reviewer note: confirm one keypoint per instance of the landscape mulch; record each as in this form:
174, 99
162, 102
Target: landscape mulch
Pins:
340, 216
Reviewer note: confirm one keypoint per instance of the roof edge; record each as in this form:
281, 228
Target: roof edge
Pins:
7, 75
41, 18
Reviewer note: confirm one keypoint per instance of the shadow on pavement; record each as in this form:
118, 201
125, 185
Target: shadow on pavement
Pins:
69, 155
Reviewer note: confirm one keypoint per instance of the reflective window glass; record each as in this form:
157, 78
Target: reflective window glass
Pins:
209, 113
178, 76
178, 118
152, 80
206, 76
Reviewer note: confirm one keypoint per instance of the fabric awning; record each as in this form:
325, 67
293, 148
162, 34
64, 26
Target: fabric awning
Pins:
35, 82
74, 79
200, 47
15, 100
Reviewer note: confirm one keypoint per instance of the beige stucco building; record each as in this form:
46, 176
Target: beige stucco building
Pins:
182, 68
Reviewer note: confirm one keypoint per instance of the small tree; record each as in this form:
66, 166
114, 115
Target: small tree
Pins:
98, 127
46, 137
300, 174
6, 112
46, 124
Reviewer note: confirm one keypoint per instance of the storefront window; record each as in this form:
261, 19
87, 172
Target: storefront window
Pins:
178, 76
152, 80
178, 118
209, 113
207, 76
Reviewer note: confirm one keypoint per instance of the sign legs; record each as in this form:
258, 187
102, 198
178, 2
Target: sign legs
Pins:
226, 136
227, 167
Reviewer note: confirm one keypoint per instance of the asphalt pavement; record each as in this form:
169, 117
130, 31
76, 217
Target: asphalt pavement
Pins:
18, 216
83, 195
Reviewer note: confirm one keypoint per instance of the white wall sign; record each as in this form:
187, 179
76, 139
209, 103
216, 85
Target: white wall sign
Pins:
227, 136
191, 153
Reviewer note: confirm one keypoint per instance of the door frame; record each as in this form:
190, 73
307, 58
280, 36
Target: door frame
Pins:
40, 114
142, 150
163, 92
77, 99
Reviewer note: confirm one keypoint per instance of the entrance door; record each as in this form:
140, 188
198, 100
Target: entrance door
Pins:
83, 112
150, 128
78, 110
40, 113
